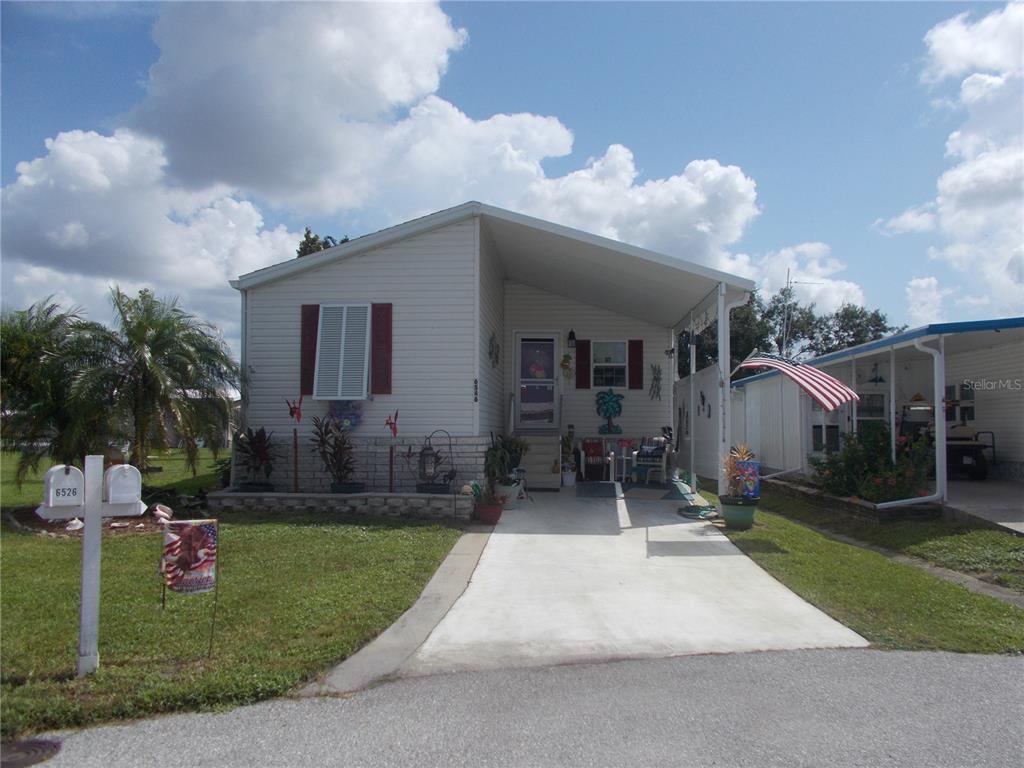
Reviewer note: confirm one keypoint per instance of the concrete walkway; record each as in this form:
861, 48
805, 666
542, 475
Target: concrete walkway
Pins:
565, 580
997, 501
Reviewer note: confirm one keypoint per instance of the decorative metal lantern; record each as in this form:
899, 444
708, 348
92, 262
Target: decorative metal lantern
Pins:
428, 462
572, 339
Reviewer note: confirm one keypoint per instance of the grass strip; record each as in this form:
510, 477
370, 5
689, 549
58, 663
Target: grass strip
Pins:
298, 593
890, 604
988, 554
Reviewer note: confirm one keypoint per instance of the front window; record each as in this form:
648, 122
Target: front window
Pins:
609, 362
831, 442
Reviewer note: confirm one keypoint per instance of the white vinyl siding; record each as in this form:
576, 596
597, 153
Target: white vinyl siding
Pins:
493, 399
428, 280
343, 352
529, 309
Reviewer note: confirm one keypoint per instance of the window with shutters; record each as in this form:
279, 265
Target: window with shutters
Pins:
342, 352
609, 363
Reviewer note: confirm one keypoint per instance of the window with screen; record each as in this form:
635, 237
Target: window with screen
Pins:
608, 359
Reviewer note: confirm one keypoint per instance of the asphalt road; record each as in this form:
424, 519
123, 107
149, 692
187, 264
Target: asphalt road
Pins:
788, 708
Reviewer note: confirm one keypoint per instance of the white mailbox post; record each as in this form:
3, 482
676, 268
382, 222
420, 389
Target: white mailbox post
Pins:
67, 494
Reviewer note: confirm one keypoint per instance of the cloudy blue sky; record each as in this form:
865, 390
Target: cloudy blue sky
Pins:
873, 149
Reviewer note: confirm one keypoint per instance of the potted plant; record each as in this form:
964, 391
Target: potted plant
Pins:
517, 448
333, 443
488, 505
568, 464
743, 489
255, 453
498, 472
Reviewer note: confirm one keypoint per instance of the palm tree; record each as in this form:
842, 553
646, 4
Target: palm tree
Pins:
42, 349
158, 368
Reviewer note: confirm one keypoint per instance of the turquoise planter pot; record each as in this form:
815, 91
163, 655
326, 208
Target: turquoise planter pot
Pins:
738, 512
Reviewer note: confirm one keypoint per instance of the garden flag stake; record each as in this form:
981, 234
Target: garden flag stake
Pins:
189, 561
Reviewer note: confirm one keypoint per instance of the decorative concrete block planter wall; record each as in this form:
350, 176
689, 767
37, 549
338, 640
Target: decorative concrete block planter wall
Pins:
849, 506
372, 460
413, 505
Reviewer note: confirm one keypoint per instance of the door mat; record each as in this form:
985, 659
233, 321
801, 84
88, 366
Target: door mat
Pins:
655, 491
597, 490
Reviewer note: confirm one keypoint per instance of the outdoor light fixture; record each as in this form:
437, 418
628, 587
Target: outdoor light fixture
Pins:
572, 339
428, 462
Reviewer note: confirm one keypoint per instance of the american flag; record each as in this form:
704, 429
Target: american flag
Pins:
827, 391
190, 555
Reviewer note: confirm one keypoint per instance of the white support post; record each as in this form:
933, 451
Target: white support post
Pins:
939, 361
724, 409
693, 399
782, 419
892, 404
89, 616
853, 386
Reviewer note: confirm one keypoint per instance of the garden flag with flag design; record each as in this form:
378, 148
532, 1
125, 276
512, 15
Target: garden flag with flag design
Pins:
189, 562
827, 391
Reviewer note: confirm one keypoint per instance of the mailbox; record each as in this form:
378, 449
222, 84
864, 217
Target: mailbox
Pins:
63, 486
122, 484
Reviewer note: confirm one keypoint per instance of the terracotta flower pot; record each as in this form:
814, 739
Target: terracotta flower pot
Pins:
489, 514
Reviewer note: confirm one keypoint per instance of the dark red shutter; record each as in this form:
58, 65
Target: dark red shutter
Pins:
380, 354
582, 364
636, 364
307, 347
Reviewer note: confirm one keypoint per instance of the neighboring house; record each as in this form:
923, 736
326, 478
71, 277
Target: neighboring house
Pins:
979, 377
460, 321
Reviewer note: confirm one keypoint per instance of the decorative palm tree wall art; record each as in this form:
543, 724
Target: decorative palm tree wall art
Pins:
609, 406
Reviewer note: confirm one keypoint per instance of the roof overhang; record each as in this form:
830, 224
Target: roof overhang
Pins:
956, 338
623, 278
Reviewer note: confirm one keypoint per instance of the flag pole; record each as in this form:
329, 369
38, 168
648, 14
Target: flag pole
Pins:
216, 592
741, 362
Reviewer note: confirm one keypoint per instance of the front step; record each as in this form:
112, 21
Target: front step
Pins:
544, 455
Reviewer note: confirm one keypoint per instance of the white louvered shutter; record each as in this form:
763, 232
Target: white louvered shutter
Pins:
343, 352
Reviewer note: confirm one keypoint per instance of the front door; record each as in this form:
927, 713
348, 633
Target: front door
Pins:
536, 371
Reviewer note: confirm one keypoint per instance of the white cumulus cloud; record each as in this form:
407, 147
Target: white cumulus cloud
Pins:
110, 216
925, 300
992, 44
811, 268
978, 210
316, 109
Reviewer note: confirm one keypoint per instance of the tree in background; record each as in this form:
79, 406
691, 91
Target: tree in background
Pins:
158, 368
43, 348
785, 326
792, 324
747, 331
312, 243
849, 326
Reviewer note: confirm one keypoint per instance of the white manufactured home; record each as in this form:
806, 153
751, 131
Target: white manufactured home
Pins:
476, 321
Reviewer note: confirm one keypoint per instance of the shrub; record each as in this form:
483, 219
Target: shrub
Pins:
863, 467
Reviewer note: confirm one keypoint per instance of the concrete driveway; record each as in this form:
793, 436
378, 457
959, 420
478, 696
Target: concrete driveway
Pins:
565, 579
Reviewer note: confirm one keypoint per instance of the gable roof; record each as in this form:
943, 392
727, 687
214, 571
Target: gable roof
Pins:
580, 265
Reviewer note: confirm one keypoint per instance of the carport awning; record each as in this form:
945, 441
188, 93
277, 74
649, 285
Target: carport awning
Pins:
827, 391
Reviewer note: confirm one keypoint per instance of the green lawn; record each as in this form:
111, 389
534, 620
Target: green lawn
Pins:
173, 474
890, 604
297, 594
989, 554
